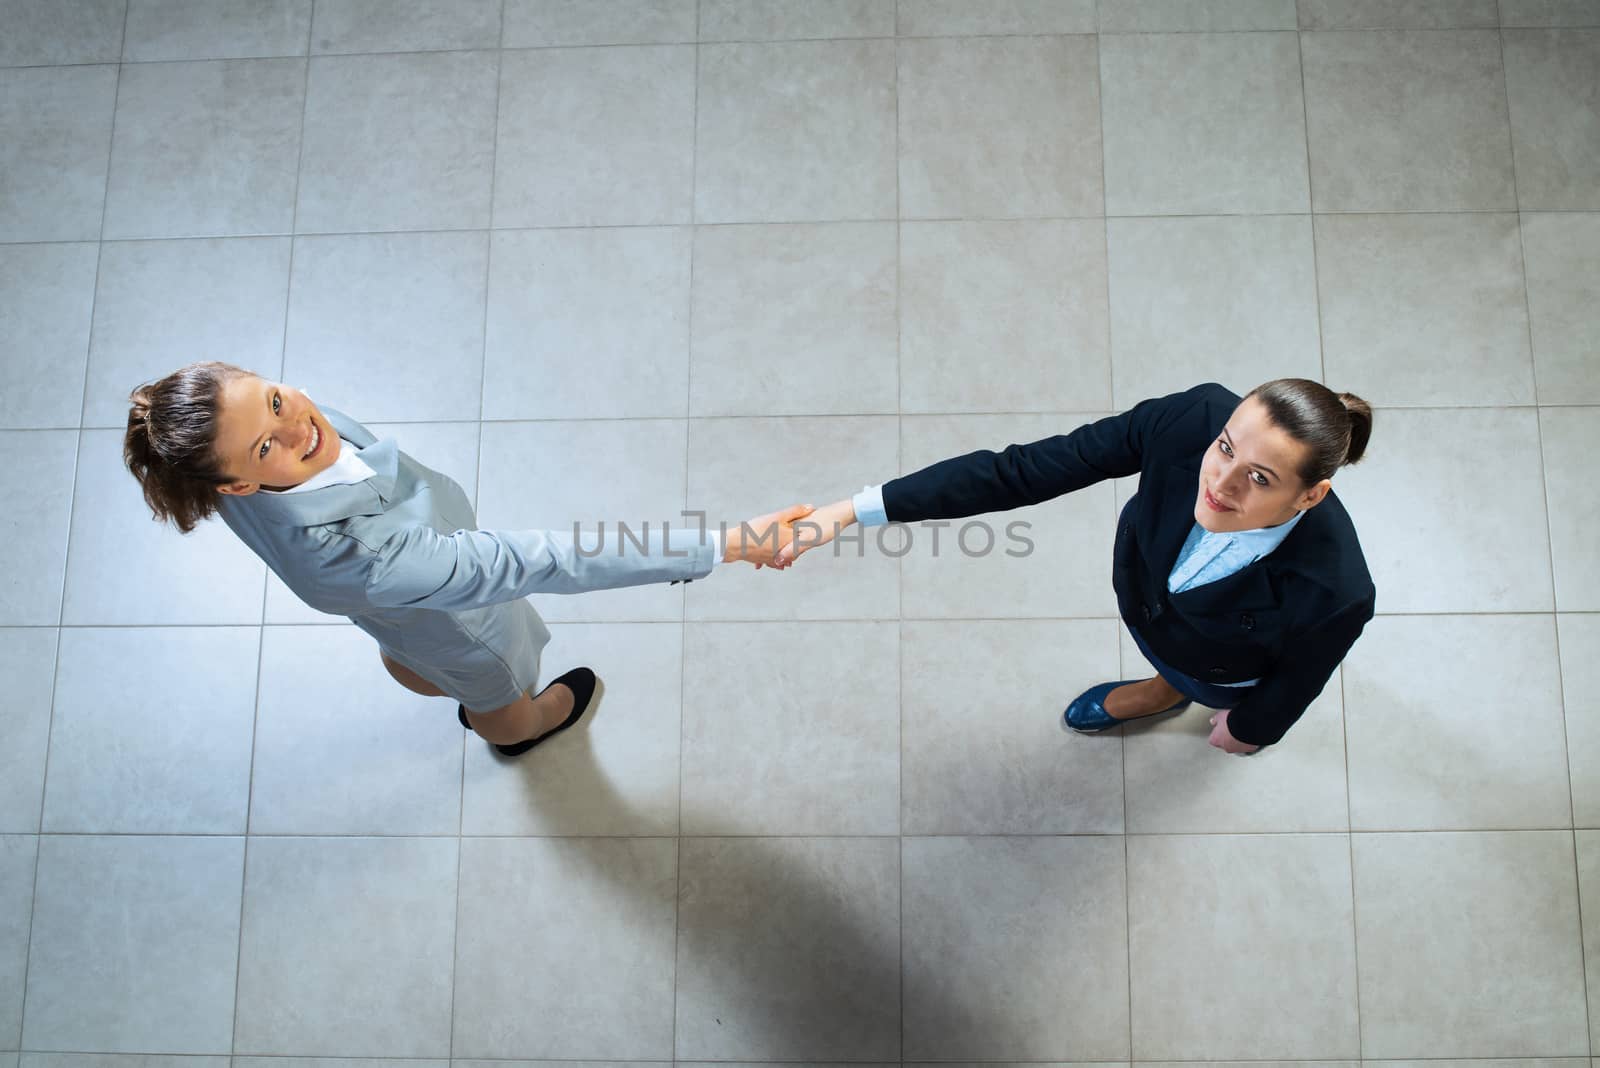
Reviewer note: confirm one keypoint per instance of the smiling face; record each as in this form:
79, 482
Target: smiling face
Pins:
271, 435
1250, 476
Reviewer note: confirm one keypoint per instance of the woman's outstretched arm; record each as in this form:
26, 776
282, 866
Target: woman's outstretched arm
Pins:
1015, 477
421, 568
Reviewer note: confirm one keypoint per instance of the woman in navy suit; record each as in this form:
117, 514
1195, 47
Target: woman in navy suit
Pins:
1237, 570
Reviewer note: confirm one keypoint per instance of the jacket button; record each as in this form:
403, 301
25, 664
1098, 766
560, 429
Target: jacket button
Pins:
1217, 671
1247, 621
1144, 608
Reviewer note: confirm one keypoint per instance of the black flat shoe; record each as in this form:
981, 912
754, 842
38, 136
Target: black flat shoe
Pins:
581, 681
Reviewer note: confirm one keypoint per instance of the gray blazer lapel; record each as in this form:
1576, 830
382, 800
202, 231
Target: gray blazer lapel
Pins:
349, 429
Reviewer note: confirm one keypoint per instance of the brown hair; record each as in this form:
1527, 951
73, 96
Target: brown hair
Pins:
171, 439
1334, 427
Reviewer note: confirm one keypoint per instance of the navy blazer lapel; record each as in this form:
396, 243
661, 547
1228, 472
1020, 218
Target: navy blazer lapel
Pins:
1173, 517
1250, 589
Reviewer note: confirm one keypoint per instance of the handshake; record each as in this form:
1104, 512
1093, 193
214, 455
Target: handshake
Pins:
778, 539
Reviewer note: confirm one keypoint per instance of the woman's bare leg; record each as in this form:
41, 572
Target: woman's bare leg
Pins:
525, 718
410, 679
1141, 698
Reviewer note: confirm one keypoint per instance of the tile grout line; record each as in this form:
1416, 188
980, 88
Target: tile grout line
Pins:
1311, 202
294, 203
1544, 481
954, 833
264, 235
249, 812
488, 255
1544, 486
1583, 953
1350, 843
477, 494
1574, 1061
1086, 413
786, 223
461, 811
477, 479
1105, 245
66, 556
1111, 394
683, 592
666, 42
266, 578
768, 621
1344, 722
900, 576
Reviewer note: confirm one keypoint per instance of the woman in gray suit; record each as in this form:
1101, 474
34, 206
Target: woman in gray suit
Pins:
355, 527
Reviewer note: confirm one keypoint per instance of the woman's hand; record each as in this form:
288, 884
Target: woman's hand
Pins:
1226, 741
757, 541
821, 527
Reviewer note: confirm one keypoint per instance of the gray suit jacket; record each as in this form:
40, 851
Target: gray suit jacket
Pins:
399, 554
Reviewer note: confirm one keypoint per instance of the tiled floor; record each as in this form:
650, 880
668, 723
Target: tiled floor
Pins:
615, 258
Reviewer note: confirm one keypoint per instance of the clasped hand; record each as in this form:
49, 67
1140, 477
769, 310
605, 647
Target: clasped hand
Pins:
759, 541
778, 539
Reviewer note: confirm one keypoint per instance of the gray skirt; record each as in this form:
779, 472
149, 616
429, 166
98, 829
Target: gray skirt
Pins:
484, 658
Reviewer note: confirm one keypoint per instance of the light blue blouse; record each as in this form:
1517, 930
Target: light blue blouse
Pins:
1207, 556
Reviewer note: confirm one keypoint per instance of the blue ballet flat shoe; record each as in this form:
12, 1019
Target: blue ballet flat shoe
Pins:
1087, 713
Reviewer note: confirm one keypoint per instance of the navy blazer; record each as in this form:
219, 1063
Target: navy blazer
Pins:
1288, 619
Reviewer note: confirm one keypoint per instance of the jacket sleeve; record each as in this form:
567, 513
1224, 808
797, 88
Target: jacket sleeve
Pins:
1021, 475
418, 567
1277, 702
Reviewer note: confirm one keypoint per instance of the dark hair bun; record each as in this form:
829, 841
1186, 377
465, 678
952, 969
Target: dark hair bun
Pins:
1334, 427
1360, 413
